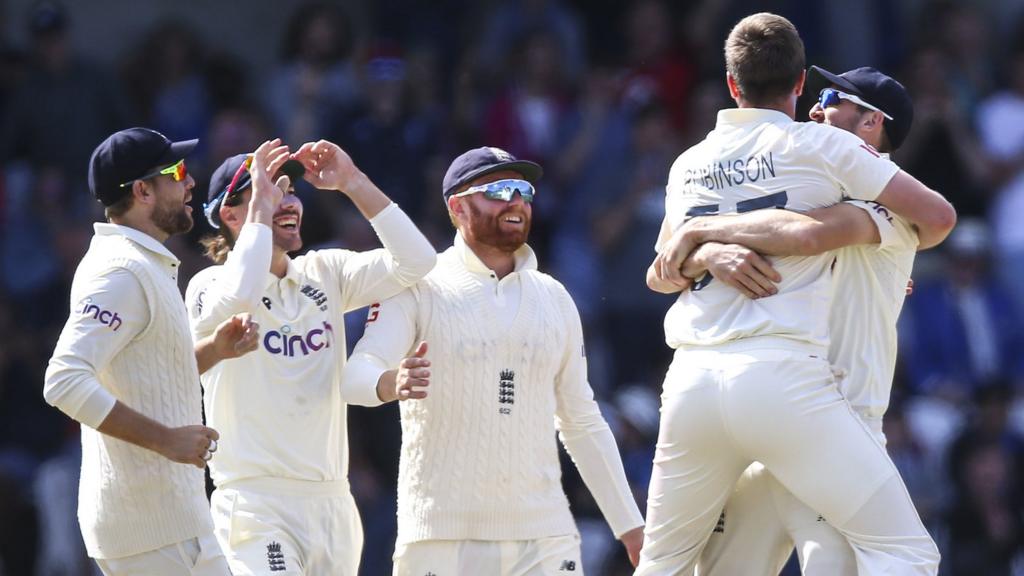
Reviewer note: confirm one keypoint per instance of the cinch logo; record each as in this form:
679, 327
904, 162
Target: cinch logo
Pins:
287, 344
87, 308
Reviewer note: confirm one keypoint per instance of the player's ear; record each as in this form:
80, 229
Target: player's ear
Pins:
734, 89
143, 191
872, 121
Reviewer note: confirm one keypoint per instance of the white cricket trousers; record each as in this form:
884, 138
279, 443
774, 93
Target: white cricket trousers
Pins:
284, 527
775, 401
554, 556
193, 557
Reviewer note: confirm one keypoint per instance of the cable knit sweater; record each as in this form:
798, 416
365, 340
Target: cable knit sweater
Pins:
127, 339
479, 458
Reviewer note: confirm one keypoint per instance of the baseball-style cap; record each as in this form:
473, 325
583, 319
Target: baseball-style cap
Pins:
878, 90
221, 183
486, 160
129, 155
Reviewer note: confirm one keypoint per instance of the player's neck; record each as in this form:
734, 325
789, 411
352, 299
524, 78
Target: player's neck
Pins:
279, 263
500, 261
785, 105
143, 223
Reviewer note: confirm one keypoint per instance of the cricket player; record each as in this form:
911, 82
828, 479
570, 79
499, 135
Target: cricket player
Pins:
750, 380
283, 503
125, 367
479, 485
875, 255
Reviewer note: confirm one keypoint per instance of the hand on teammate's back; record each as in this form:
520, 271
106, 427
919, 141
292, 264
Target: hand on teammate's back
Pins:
741, 268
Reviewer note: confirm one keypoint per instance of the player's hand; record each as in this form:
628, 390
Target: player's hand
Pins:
328, 167
193, 445
633, 541
236, 336
743, 269
657, 282
673, 253
910, 286
266, 161
413, 375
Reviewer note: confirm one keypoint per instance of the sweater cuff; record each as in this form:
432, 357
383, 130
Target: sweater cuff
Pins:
94, 408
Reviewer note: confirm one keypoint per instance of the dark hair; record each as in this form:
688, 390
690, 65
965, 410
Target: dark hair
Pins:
765, 56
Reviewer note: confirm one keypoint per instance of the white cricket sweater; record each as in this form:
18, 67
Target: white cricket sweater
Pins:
479, 457
127, 339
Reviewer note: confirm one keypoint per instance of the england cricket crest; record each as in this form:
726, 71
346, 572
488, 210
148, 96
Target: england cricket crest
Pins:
506, 391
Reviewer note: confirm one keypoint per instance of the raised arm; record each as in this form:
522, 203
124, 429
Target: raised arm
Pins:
375, 275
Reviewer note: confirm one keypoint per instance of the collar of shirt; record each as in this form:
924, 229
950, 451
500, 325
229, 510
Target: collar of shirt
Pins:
292, 274
138, 237
739, 116
524, 257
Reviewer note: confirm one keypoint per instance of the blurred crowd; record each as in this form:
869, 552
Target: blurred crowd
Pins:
604, 95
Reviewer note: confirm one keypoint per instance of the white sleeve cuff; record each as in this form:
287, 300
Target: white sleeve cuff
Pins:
359, 382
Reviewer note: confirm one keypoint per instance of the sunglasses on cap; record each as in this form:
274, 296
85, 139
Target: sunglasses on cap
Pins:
178, 171
228, 195
831, 97
502, 190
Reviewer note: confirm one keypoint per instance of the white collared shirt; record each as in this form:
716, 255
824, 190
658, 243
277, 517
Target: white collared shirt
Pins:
756, 159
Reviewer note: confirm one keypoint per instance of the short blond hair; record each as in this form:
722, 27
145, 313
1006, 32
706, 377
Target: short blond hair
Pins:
765, 56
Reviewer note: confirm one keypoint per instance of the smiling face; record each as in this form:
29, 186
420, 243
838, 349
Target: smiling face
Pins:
287, 222
502, 225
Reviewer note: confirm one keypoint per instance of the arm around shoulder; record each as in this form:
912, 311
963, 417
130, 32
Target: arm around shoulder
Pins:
931, 214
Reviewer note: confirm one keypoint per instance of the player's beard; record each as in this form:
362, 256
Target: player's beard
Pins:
172, 217
487, 229
287, 242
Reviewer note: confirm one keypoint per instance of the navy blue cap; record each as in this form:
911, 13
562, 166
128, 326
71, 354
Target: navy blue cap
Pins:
881, 91
128, 155
221, 180
486, 160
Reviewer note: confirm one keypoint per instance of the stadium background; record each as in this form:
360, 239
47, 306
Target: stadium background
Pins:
604, 94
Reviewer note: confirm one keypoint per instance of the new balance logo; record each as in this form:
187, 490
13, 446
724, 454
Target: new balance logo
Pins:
275, 558
568, 566
720, 525
506, 390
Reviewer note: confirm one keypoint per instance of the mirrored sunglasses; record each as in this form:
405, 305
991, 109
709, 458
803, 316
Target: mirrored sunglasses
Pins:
830, 97
178, 171
502, 190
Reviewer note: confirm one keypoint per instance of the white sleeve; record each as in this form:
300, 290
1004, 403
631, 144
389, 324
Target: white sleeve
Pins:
367, 277
389, 336
107, 313
861, 171
586, 436
239, 281
895, 232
